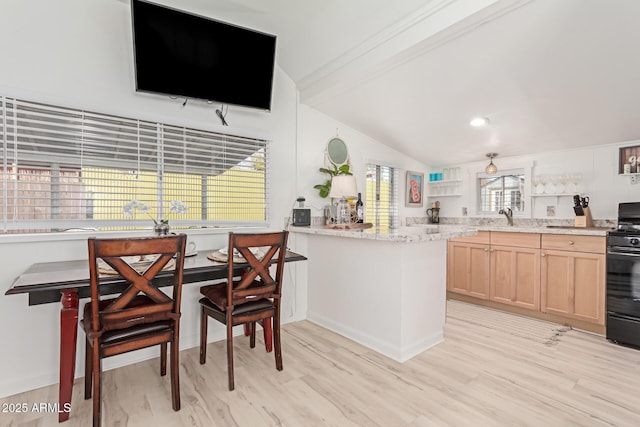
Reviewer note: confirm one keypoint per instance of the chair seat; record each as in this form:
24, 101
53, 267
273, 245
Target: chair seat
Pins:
135, 332
140, 300
248, 307
217, 295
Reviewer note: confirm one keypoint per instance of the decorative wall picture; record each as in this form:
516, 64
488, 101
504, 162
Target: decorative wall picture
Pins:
414, 190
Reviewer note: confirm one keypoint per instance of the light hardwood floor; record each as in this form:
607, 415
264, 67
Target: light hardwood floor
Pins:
493, 369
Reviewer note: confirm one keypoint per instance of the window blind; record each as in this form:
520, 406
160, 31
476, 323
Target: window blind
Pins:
66, 168
381, 201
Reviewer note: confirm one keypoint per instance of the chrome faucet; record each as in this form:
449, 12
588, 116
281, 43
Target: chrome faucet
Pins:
508, 213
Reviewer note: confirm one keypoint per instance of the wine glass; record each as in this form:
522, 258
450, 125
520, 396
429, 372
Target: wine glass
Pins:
535, 181
560, 183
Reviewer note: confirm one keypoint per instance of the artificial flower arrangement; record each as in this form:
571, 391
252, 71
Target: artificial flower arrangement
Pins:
161, 226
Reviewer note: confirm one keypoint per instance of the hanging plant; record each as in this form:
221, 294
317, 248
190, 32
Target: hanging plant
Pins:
325, 189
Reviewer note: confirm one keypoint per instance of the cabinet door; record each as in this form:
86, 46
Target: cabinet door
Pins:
573, 285
468, 269
515, 276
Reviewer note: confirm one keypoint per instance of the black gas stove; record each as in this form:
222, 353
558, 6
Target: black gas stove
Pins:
623, 277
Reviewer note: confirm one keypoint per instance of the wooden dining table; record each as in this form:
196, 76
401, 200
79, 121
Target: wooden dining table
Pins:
68, 281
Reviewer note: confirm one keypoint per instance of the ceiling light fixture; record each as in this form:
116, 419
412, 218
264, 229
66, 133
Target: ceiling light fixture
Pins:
491, 169
479, 121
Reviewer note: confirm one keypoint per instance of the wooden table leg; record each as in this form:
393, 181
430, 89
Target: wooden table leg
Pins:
68, 338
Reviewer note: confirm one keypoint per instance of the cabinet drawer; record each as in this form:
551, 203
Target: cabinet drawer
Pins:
482, 237
571, 242
521, 240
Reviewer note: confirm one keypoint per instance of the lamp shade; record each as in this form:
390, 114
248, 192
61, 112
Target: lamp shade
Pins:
343, 186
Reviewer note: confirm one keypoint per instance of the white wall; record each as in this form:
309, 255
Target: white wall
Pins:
600, 181
315, 129
78, 53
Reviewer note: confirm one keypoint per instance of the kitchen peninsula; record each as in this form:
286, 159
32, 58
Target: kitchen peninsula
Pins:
385, 290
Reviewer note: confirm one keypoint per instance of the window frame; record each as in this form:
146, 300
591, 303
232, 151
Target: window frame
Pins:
523, 172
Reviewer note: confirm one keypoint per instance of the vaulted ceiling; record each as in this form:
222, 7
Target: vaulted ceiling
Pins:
548, 74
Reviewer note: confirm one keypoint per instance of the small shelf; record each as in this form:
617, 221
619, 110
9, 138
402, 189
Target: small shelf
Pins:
444, 182
445, 188
628, 158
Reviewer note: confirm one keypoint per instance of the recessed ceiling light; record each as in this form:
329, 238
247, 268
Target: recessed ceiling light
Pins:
479, 121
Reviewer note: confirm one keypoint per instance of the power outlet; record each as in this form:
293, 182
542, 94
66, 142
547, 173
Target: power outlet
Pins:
633, 179
551, 211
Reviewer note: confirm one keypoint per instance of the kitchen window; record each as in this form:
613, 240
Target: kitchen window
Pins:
65, 168
501, 191
381, 201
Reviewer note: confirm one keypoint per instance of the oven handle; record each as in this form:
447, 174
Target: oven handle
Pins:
617, 250
617, 315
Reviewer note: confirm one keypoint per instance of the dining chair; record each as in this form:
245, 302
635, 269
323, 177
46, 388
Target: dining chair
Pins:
142, 315
254, 296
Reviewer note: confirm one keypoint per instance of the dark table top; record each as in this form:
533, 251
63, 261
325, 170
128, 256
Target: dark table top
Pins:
44, 281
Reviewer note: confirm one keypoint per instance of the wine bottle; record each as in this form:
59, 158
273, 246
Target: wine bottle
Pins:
360, 209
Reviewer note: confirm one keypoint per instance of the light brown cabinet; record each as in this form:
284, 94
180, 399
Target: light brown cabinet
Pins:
573, 274
503, 267
468, 269
515, 277
562, 275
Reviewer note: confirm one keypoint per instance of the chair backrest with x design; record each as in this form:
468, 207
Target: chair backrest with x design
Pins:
256, 281
142, 301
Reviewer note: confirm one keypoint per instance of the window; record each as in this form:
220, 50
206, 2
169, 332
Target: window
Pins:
381, 202
64, 168
501, 191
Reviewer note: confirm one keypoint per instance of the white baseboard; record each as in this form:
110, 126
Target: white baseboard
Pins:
383, 347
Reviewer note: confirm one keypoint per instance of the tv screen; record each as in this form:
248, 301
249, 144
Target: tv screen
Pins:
180, 54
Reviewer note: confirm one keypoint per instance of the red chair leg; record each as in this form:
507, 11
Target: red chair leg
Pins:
88, 370
268, 334
276, 340
163, 359
252, 333
203, 335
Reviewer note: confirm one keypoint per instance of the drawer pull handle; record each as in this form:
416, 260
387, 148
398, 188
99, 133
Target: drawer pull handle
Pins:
570, 242
543, 254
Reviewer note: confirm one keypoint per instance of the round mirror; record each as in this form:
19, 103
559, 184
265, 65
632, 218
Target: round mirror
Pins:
337, 151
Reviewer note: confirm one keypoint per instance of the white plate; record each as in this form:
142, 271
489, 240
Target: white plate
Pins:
224, 251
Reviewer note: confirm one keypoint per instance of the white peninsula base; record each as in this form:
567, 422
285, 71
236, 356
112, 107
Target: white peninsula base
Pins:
388, 294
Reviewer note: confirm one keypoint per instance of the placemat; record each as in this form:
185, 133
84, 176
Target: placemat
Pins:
221, 257
139, 266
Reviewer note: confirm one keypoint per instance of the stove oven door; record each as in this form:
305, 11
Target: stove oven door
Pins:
623, 295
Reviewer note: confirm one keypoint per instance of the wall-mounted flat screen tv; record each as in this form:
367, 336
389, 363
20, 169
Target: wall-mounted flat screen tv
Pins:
186, 55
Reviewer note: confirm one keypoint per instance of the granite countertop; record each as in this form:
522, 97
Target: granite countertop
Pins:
418, 231
600, 227
409, 234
